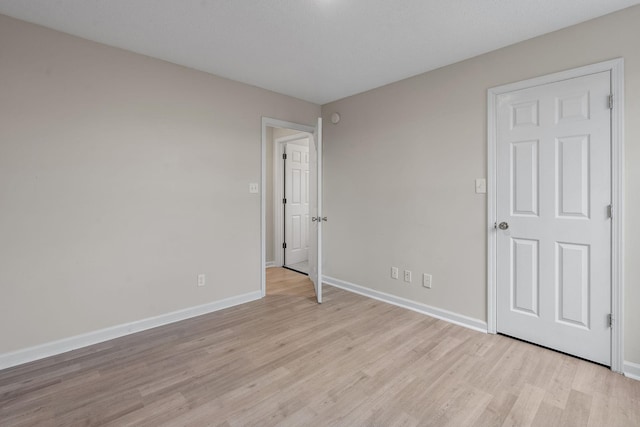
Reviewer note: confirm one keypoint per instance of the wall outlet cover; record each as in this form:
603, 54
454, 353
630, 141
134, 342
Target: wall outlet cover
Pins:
407, 276
426, 280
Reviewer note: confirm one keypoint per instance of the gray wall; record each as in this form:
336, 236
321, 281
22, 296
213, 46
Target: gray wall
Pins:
121, 178
400, 169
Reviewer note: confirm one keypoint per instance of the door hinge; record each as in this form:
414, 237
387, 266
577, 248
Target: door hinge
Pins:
611, 102
610, 320
284, 156
610, 211
284, 246
284, 201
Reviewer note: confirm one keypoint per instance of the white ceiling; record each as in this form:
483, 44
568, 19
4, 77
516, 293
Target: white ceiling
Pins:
317, 50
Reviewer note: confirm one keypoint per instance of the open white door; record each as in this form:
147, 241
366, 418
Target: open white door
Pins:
296, 207
315, 209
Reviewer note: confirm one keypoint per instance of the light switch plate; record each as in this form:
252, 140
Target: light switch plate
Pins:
481, 185
253, 188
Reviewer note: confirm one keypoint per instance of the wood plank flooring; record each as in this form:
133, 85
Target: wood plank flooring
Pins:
285, 360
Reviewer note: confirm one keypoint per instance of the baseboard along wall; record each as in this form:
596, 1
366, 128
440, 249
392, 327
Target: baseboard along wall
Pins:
449, 316
631, 370
7, 360
53, 348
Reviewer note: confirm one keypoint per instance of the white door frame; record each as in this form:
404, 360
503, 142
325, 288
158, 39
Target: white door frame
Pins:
275, 123
616, 67
278, 193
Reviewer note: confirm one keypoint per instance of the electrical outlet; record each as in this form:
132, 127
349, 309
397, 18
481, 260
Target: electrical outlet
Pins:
426, 280
407, 276
201, 280
253, 188
394, 272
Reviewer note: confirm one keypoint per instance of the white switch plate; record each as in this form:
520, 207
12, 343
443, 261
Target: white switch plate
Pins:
394, 272
201, 280
426, 280
481, 185
253, 188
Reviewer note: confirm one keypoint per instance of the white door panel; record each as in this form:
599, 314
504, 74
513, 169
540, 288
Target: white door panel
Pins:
297, 207
315, 210
553, 190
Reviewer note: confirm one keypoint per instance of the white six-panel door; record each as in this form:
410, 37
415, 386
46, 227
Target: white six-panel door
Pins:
315, 209
297, 205
553, 176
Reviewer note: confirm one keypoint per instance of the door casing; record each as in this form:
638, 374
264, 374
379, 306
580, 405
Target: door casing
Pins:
616, 67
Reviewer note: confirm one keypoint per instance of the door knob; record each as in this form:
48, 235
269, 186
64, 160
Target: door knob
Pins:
314, 219
503, 226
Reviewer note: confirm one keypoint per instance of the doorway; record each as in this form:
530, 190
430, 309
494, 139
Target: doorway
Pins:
554, 209
301, 145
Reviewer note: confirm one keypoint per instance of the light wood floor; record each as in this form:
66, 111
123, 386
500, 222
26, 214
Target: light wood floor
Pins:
285, 360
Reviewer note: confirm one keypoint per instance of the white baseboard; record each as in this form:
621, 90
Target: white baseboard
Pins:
631, 370
53, 348
449, 316
270, 264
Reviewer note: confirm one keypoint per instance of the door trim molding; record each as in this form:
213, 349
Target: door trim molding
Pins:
274, 123
278, 193
616, 67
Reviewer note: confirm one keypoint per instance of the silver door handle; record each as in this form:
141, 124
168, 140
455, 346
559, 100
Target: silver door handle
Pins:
314, 219
503, 226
